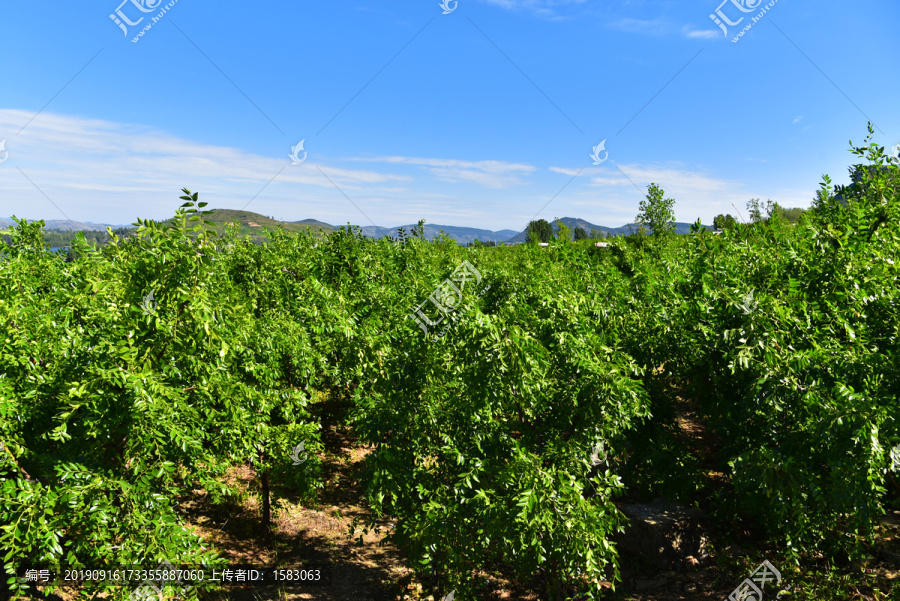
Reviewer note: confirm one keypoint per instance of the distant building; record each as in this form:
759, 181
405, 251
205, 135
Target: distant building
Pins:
601, 244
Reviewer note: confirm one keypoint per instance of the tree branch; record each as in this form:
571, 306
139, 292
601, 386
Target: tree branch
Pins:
15, 461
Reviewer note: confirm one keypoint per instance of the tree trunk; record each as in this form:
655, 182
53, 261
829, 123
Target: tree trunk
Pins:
267, 518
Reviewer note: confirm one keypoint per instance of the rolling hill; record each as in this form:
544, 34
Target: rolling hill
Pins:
253, 224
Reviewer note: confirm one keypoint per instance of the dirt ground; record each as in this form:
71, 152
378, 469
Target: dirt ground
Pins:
376, 571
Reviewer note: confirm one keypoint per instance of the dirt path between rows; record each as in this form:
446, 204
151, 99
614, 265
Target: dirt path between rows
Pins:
368, 568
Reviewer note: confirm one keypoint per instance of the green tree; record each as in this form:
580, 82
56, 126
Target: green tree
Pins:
719, 221
724, 222
563, 232
656, 212
755, 208
580, 233
539, 230
791, 215
156, 372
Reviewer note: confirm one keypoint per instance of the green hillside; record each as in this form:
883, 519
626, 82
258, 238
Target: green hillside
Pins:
254, 224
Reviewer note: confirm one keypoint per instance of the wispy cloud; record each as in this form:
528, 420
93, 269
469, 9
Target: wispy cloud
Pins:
662, 26
96, 170
91, 163
489, 174
674, 180
557, 10
101, 170
695, 193
704, 34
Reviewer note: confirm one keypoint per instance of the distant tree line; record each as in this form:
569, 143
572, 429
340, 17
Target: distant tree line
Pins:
760, 213
657, 215
59, 239
540, 230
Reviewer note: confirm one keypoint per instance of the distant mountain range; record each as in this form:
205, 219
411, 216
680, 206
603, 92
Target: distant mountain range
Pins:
457, 233
470, 234
254, 222
64, 225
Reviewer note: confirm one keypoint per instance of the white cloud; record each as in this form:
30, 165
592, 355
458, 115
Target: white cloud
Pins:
662, 26
552, 9
489, 174
83, 164
705, 34
696, 194
96, 170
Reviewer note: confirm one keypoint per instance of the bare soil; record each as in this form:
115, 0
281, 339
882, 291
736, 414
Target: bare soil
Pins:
366, 567
374, 570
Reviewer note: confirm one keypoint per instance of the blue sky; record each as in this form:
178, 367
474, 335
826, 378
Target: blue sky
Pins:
482, 117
